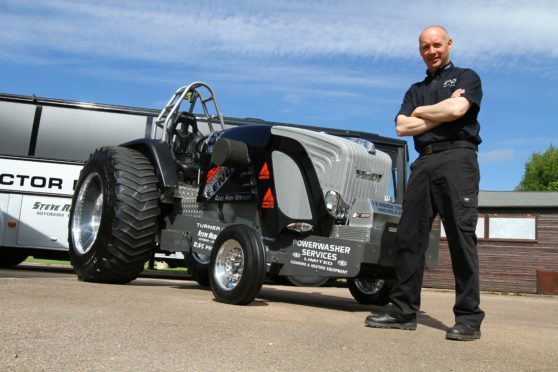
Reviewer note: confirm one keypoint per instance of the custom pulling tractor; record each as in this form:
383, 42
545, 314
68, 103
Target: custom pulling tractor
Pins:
239, 202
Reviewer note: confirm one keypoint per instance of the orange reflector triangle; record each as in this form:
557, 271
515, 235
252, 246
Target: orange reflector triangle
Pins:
268, 200
264, 173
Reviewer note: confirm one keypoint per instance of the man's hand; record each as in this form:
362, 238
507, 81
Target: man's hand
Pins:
457, 93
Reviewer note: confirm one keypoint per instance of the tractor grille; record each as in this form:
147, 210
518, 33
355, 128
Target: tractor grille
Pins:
356, 233
364, 234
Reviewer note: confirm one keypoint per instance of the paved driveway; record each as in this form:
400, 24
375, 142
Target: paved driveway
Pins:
51, 321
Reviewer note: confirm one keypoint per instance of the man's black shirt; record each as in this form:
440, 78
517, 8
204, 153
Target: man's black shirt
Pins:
438, 87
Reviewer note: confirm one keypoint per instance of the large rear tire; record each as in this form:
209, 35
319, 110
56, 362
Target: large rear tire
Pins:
237, 265
370, 291
114, 217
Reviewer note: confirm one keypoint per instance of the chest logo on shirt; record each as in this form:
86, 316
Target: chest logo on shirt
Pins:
450, 83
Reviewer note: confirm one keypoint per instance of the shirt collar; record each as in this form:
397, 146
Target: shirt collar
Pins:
440, 71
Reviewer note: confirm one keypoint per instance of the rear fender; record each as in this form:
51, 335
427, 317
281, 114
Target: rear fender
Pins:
161, 157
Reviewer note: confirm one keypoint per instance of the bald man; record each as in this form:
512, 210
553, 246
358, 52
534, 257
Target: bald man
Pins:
441, 114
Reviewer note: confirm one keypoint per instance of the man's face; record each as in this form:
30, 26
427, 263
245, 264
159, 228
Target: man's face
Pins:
435, 46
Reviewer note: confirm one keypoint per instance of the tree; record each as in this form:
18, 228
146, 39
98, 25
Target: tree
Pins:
541, 172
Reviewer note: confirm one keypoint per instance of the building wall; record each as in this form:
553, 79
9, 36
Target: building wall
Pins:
507, 265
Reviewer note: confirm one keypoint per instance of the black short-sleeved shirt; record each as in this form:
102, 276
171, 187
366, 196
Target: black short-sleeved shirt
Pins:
438, 87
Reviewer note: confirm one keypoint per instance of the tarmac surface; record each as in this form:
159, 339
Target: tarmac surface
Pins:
50, 321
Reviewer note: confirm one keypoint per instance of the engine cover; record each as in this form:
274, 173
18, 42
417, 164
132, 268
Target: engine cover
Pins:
342, 165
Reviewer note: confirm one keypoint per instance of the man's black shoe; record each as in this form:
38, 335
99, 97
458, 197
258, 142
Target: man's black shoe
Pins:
463, 332
387, 321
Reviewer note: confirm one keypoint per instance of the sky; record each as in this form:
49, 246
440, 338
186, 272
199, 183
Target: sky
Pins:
338, 64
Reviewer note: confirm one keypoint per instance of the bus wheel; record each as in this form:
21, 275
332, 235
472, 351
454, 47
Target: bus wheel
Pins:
11, 257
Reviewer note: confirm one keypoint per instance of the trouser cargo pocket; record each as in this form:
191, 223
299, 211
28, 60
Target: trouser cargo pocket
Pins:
467, 215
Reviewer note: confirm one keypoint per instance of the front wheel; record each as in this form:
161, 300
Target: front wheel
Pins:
370, 291
114, 217
237, 265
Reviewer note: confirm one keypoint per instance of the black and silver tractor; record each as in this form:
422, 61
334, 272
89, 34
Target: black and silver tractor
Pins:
240, 202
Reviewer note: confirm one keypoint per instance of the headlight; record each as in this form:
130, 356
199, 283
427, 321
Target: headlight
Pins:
332, 201
335, 204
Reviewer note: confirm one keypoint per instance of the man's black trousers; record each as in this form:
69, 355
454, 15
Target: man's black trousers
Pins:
444, 183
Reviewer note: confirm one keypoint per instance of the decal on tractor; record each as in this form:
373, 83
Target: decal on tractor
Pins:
216, 179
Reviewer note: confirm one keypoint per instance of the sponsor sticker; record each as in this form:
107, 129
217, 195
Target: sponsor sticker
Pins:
322, 256
205, 237
212, 172
216, 178
391, 209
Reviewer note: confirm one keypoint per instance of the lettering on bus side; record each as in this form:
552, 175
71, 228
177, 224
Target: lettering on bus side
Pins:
37, 182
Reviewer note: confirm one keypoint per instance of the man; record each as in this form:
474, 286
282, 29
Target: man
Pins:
441, 114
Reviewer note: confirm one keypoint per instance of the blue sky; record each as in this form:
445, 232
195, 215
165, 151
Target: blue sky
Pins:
341, 64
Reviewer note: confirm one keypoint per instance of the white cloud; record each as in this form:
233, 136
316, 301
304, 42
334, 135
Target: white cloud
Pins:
294, 99
497, 156
196, 32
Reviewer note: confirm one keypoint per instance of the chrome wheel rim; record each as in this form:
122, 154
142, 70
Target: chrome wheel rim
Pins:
369, 287
88, 210
229, 265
